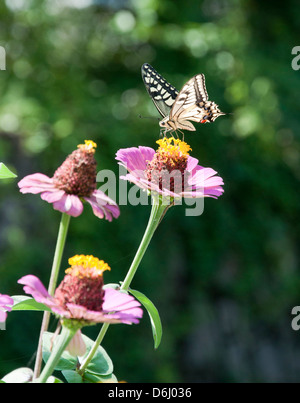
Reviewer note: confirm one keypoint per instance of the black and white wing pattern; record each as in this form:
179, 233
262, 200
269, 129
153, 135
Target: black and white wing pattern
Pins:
179, 108
161, 92
191, 104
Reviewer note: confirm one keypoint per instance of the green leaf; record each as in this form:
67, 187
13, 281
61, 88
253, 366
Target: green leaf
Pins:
72, 376
92, 378
23, 303
153, 314
5, 173
101, 364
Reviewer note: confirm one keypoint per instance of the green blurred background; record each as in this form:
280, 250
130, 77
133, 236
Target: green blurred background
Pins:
224, 282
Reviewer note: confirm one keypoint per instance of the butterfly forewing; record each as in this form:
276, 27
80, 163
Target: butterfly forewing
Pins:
200, 88
162, 93
191, 94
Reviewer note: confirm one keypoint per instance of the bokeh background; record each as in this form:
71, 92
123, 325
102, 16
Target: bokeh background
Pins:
224, 282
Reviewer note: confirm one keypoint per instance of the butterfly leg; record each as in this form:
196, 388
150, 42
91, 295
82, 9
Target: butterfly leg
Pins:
162, 132
175, 131
179, 132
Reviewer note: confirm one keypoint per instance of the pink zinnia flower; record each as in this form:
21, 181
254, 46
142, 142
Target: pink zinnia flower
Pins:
5, 302
80, 296
170, 171
73, 181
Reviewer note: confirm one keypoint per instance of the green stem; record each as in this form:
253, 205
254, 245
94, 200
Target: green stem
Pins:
157, 212
64, 339
60, 243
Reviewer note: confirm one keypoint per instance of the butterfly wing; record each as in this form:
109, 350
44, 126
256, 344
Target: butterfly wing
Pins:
192, 104
190, 98
162, 93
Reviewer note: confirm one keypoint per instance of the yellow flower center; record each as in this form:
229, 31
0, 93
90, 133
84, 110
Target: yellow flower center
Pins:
175, 148
168, 166
88, 145
86, 266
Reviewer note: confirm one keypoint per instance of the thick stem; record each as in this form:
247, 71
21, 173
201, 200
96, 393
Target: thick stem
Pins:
60, 243
64, 339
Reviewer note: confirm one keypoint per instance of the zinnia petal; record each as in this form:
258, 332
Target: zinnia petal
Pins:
5, 302
3, 316
35, 183
134, 158
103, 206
34, 287
121, 302
69, 204
52, 196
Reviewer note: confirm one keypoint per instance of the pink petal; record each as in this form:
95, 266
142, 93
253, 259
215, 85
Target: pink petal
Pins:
34, 286
3, 316
205, 182
35, 183
132, 177
119, 301
103, 206
134, 158
53, 196
218, 191
6, 300
69, 204
201, 175
192, 163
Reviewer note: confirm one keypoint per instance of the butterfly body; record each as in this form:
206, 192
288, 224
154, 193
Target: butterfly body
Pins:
179, 108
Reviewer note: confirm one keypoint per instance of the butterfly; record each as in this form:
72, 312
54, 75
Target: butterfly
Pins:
179, 108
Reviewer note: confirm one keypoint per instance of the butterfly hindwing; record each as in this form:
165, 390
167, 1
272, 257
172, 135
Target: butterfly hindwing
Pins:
162, 93
190, 99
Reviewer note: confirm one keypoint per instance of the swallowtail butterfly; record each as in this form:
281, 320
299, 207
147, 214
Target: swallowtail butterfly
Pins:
178, 108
